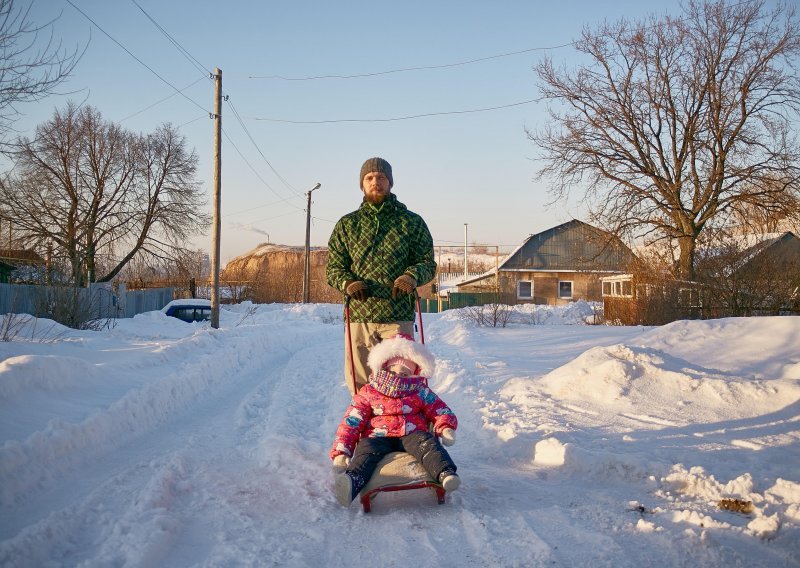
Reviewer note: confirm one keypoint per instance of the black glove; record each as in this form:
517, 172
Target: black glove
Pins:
356, 289
403, 284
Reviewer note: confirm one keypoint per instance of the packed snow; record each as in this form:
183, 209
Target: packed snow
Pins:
164, 443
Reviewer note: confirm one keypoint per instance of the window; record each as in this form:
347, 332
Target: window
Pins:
564, 288
689, 298
627, 288
524, 289
620, 286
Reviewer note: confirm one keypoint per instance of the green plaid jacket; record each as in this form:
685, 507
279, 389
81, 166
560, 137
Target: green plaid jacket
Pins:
377, 244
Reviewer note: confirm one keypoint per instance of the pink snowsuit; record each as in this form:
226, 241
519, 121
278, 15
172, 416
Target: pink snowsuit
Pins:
391, 406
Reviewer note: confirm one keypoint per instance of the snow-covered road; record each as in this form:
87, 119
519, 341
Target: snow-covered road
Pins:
159, 443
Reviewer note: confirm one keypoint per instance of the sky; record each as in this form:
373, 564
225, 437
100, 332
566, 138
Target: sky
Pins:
284, 132
161, 443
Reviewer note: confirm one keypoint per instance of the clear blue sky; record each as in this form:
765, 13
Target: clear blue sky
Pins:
466, 167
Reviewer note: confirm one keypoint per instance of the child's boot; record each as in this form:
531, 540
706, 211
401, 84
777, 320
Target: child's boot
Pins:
347, 486
344, 489
449, 480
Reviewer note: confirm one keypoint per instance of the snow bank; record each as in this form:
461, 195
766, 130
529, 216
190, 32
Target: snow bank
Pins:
164, 443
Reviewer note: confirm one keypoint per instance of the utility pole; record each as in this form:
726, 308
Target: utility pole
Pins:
215, 250
307, 262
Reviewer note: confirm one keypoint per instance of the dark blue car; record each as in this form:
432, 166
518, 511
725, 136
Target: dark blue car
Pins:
193, 309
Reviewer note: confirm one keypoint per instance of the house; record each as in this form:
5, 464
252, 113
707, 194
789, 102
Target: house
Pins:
14, 259
752, 275
557, 266
763, 278
651, 298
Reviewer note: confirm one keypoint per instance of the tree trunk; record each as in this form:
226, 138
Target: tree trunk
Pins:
687, 245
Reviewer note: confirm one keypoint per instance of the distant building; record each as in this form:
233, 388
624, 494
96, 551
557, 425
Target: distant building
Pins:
17, 259
557, 266
760, 275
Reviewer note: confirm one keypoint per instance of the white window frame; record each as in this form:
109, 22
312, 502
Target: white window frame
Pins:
519, 295
571, 289
617, 287
689, 298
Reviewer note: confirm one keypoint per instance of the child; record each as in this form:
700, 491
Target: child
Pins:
392, 413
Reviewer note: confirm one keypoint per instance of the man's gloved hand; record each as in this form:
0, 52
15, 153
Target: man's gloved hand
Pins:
403, 284
357, 289
448, 436
340, 463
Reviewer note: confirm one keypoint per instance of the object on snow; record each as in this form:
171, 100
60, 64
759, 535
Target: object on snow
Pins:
398, 471
736, 505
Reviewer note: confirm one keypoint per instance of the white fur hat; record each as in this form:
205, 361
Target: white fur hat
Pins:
404, 347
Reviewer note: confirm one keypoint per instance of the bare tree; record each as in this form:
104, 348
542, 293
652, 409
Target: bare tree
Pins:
100, 195
32, 63
678, 124
751, 276
166, 205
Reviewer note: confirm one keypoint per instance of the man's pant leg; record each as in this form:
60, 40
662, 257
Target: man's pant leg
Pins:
365, 336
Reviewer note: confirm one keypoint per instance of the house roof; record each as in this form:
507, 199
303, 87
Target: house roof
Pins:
782, 248
17, 256
571, 246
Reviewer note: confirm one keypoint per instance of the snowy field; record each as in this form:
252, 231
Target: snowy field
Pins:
165, 444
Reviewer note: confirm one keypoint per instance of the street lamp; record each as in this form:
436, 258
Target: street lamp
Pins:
465, 251
308, 243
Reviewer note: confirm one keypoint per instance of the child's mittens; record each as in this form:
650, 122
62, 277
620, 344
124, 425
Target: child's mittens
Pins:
448, 436
340, 463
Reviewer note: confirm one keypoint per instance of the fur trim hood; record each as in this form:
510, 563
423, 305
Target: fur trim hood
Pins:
401, 346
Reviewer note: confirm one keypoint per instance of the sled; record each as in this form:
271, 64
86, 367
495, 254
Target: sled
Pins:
397, 471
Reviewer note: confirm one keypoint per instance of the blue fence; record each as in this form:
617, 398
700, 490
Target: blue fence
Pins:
99, 301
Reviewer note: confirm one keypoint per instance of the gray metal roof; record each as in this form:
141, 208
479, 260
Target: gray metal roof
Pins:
574, 245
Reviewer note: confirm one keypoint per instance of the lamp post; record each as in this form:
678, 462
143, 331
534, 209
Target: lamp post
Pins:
308, 243
465, 251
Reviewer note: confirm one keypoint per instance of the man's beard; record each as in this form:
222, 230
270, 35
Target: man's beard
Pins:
375, 199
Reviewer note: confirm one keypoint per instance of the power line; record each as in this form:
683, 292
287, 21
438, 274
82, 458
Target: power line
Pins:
199, 66
206, 73
247, 132
191, 121
161, 101
431, 67
249, 165
250, 209
142, 63
406, 69
425, 115
321, 219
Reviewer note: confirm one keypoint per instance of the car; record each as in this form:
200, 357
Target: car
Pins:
189, 310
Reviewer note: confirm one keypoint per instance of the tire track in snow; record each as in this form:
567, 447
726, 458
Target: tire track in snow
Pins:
126, 473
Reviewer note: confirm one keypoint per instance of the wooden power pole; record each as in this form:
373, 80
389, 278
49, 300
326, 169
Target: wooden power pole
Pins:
215, 263
306, 261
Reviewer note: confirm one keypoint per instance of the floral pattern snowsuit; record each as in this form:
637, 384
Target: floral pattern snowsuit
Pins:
391, 406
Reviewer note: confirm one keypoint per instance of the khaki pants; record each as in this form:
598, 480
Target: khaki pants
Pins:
364, 337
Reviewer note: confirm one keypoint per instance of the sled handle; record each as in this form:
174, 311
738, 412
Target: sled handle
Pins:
419, 314
350, 342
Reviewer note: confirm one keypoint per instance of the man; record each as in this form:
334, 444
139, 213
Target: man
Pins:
379, 254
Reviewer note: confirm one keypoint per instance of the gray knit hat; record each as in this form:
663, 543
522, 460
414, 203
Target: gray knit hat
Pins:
376, 165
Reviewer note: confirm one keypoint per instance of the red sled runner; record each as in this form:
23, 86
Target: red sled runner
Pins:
398, 471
